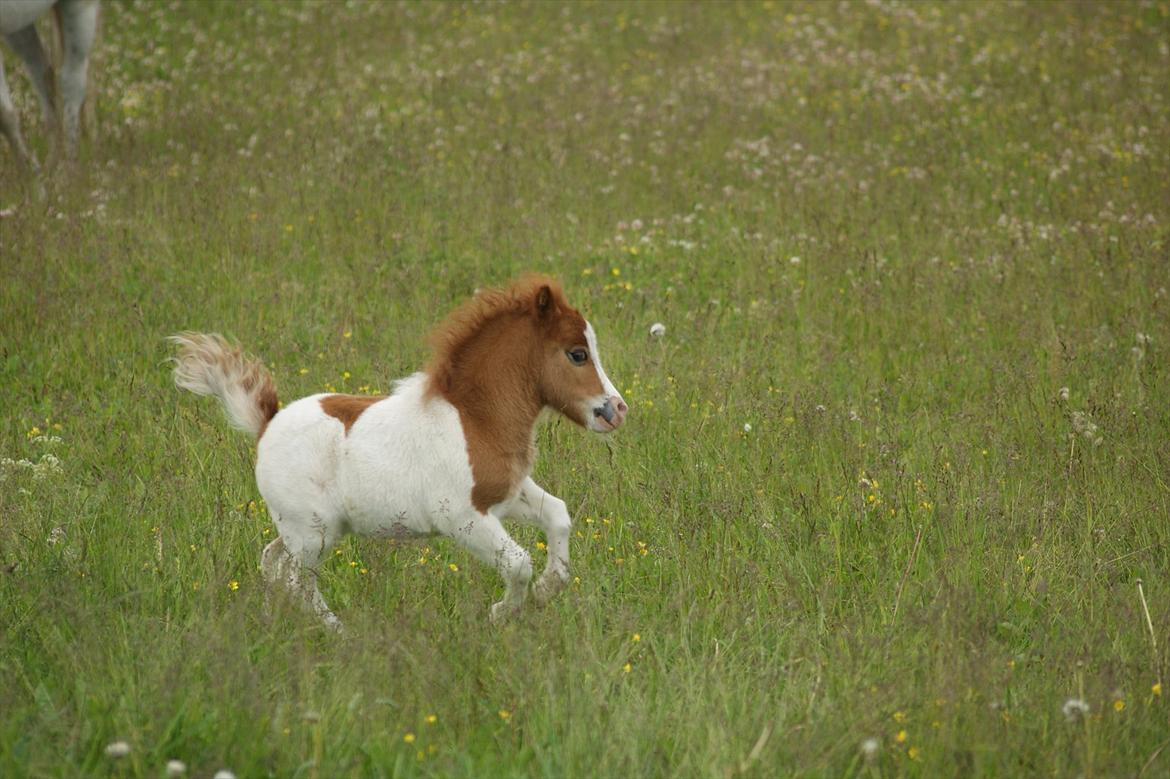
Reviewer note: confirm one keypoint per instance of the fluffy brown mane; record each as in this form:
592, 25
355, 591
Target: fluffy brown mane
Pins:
452, 335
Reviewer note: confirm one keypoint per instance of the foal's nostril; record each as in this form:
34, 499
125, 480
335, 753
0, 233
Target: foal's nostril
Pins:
606, 412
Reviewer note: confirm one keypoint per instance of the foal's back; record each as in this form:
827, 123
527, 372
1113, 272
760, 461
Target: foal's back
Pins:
386, 466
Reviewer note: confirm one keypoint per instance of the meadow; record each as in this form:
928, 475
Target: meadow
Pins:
893, 498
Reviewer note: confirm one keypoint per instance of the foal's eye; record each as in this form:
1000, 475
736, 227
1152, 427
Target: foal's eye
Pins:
577, 356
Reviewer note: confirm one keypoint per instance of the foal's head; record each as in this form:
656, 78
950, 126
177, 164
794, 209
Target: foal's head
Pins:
572, 380
528, 330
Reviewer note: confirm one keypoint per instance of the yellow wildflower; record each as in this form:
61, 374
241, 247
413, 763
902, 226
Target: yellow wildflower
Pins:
408, 738
901, 737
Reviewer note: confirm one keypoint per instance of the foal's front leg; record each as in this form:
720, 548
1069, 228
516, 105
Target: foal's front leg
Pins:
534, 506
485, 537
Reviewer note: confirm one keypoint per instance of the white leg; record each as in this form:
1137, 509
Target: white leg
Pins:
10, 126
485, 537
78, 28
534, 506
27, 45
290, 562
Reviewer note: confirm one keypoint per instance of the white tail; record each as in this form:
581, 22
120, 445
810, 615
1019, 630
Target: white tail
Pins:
208, 365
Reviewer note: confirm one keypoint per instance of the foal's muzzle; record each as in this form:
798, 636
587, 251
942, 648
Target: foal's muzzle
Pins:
610, 415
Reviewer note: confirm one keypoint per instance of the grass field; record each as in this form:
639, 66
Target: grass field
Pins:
891, 480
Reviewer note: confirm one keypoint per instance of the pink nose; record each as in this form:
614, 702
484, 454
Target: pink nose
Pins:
612, 413
620, 408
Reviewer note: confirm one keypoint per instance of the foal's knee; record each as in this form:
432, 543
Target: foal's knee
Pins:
557, 519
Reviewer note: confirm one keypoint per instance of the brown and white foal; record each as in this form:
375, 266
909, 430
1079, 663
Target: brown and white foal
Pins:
448, 452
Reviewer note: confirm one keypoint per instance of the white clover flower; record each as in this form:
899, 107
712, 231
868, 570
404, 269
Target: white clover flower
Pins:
869, 748
793, 260
747, 427
657, 330
223, 773
1063, 394
56, 535
1074, 709
117, 749
175, 769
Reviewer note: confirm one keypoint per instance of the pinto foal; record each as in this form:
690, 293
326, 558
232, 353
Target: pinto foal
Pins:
448, 452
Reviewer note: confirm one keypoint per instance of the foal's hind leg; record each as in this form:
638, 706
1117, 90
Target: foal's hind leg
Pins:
485, 537
290, 562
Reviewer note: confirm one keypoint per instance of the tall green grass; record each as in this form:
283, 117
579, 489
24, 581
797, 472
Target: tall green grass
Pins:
894, 471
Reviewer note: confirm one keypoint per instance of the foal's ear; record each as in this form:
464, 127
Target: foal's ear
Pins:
544, 301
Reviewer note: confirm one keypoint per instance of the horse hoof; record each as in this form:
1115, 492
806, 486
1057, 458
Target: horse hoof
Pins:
503, 612
547, 588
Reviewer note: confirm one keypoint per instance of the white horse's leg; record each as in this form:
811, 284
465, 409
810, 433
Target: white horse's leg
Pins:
26, 43
78, 29
10, 126
534, 506
485, 537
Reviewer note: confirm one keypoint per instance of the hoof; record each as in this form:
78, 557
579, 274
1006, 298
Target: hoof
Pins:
548, 586
503, 612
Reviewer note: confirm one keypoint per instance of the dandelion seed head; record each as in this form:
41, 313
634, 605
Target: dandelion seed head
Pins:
1074, 709
175, 769
657, 330
117, 749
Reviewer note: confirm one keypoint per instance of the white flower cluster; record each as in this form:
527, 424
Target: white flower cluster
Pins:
48, 464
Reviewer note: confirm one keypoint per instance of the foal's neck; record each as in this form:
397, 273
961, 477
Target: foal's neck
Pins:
492, 383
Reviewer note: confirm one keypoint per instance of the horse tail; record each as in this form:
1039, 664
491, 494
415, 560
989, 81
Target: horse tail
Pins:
208, 365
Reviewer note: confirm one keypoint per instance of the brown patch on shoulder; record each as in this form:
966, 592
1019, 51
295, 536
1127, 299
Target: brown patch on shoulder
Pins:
348, 408
500, 458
